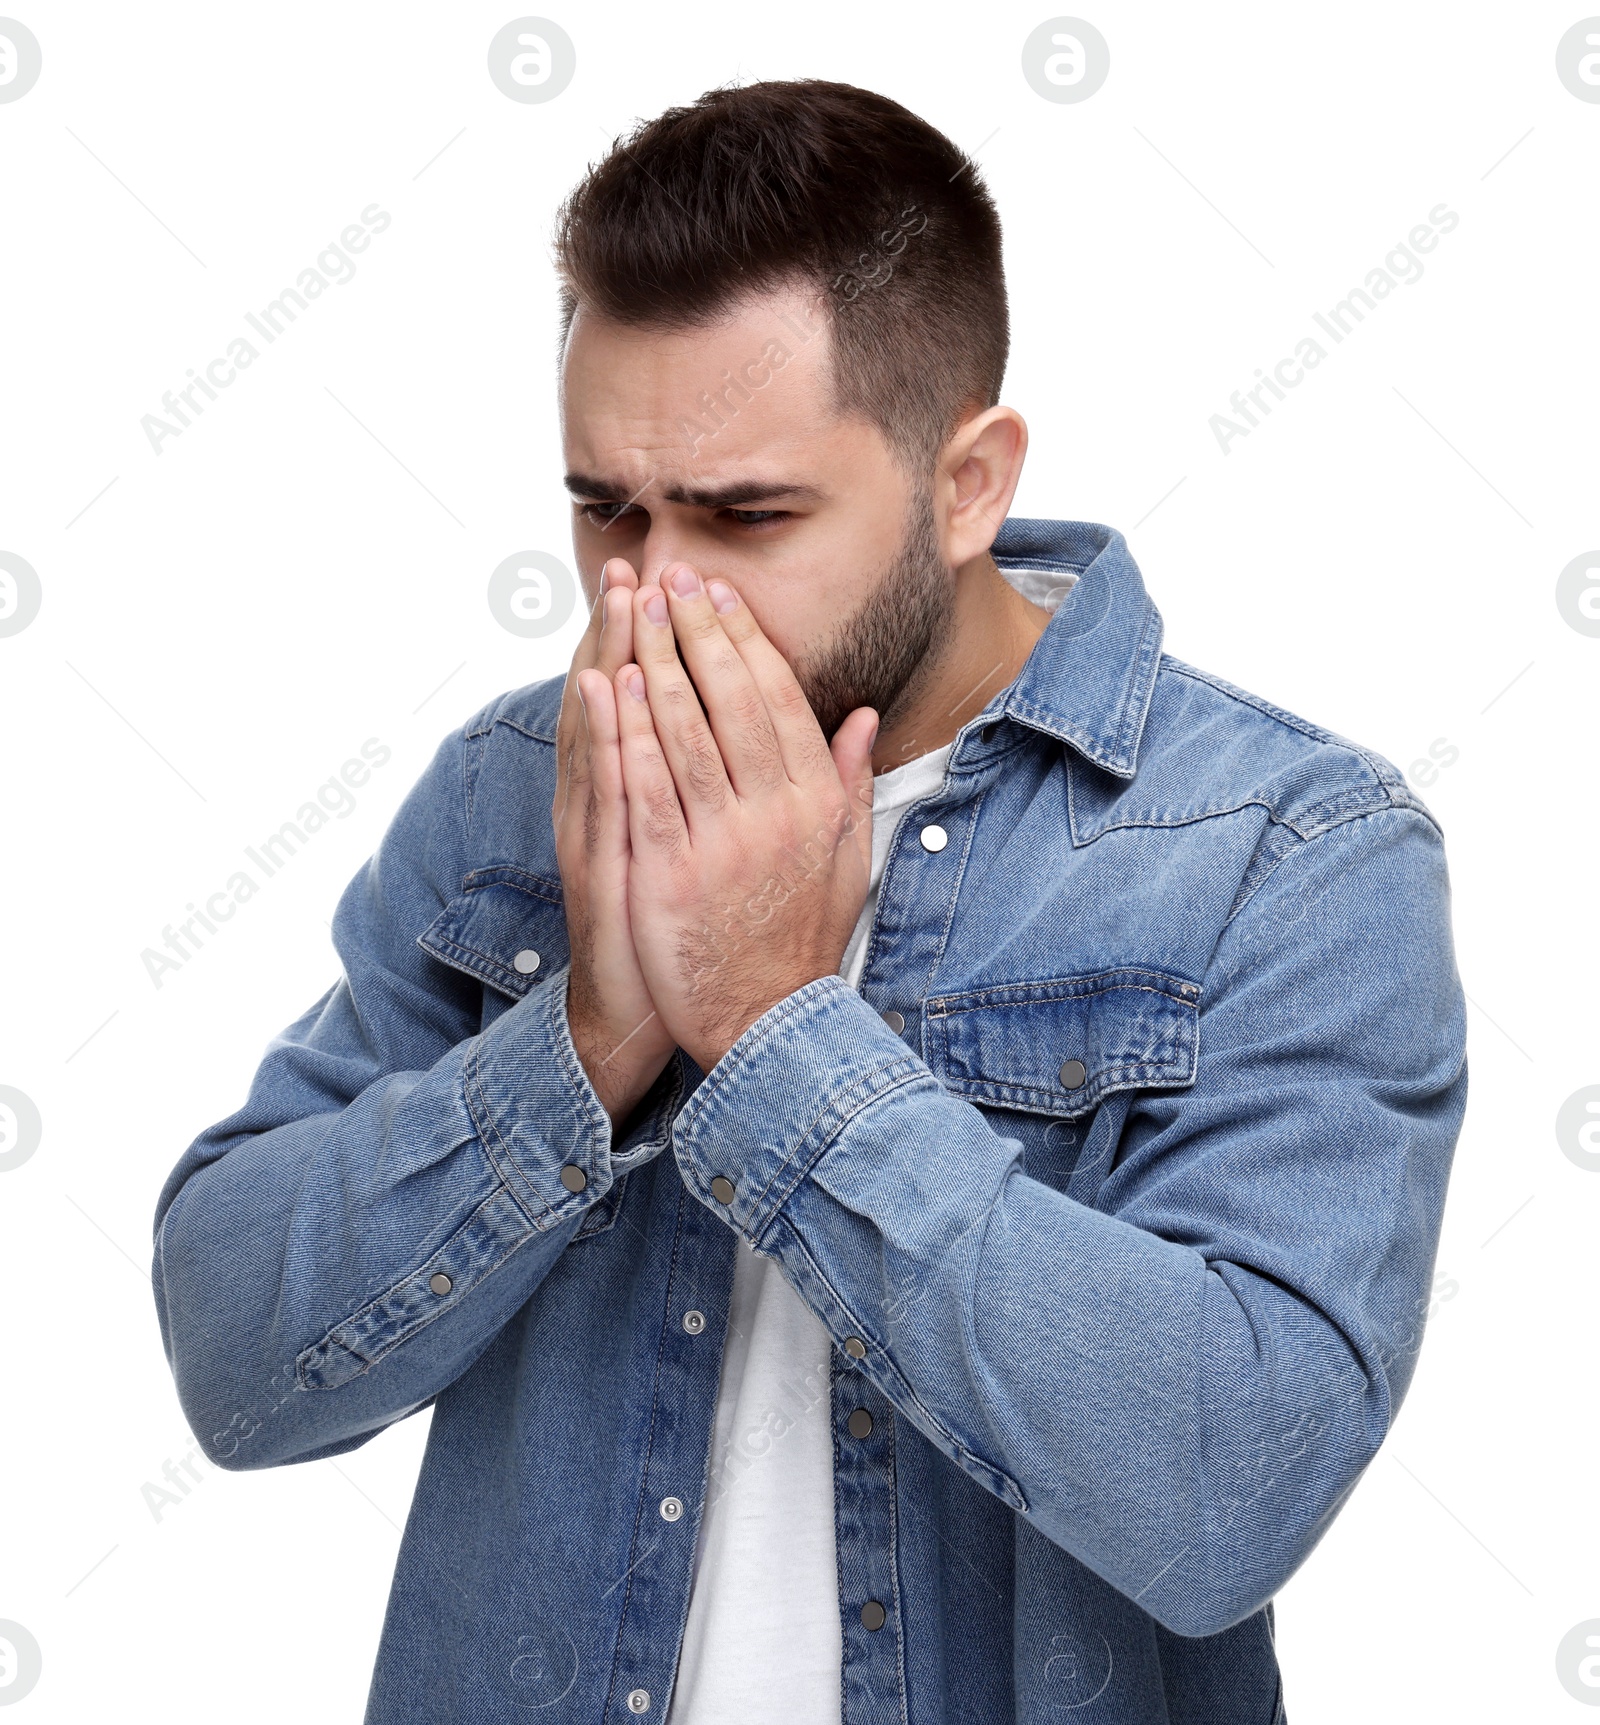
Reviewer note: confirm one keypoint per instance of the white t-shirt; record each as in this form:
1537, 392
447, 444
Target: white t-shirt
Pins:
763, 1637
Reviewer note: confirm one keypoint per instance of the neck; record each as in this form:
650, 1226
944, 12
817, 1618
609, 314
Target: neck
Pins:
992, 631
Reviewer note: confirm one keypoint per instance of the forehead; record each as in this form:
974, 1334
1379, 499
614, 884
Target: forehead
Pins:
753, 384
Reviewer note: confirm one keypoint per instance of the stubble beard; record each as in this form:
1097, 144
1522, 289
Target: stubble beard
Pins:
885, 651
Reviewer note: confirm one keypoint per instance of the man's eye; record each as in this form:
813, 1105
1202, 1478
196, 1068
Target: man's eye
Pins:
603, 514
758, 517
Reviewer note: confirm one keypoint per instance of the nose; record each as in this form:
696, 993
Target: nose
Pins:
661, 549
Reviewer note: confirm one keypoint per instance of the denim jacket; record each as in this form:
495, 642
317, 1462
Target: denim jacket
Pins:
1118, 1185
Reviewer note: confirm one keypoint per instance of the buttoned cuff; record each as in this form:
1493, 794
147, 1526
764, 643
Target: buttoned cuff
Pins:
541, 1124
781, 1095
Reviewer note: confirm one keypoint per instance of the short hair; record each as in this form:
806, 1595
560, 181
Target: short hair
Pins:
812, 184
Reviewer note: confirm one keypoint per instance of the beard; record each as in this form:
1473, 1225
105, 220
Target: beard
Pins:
884, 651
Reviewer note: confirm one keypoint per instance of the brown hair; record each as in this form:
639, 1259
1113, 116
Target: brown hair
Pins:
837, 189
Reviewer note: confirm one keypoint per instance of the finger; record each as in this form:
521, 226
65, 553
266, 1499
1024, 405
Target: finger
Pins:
733, 704
687, 741
605, 818
616, 629
656, 827
800, 739
569, 726
851, 750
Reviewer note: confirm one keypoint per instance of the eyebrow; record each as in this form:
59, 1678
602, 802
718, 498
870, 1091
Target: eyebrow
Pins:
730, 496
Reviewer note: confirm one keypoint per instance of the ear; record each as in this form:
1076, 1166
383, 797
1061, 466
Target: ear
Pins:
979, 468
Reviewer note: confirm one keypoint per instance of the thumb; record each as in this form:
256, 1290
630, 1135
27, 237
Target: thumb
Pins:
851, 749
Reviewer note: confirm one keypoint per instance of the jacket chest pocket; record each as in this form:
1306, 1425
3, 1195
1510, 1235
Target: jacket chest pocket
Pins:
506, 927
1059, 1047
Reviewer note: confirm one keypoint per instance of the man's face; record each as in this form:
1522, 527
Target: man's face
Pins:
825, 538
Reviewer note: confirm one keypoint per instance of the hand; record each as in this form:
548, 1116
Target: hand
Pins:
751, 836
616, 1030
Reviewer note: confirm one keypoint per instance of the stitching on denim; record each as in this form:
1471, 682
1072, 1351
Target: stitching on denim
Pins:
482, 722
644, 1470
1387, 787
1298, 849
1293, 721
1336, 810
303, 1365
1385, 773
900, 841
1046, 565
894, 1575
471, 763
475, 1222
971, 818
489, 967
483, 965
1007, 993
836, 1114
701, 1103
1146, 666
588, 1104
1263, 865
523, 731
907, 1392
968, 813
537, 886
496, 712
405, 1333
1092, 748
1347, 804
1071, 1104
489, 1136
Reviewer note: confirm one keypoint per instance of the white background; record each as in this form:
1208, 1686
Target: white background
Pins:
225, 625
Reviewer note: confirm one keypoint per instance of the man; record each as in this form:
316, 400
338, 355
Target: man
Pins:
900, 1130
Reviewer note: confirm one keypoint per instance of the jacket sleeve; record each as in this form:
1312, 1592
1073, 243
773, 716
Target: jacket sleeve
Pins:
340, 1249
1181, 1383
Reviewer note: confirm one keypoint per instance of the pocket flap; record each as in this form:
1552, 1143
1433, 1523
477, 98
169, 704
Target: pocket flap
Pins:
507, 927
1058, 1047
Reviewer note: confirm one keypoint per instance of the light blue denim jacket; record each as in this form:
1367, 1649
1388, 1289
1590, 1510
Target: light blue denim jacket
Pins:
1125, 1241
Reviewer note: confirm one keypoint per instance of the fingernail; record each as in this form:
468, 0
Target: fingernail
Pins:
723, 597
605, 577
634, 678
685, 583
655, 607
582, 702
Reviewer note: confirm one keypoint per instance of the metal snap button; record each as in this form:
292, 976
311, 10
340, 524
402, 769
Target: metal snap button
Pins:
694, 1322
1074, 1074
526, 962
895, 1020
638, 1700
574, 1178
860, 1423
671, 1508
855, 1347
873, 1615
440, 1282
722, 1189
934, 838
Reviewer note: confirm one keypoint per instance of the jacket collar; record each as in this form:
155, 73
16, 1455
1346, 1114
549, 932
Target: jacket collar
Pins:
1089, 678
